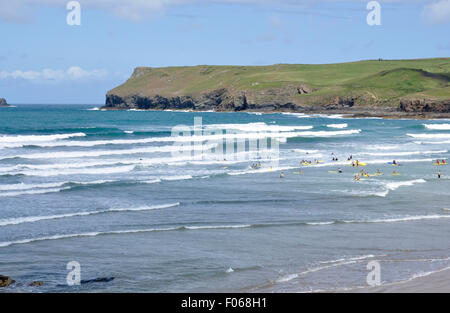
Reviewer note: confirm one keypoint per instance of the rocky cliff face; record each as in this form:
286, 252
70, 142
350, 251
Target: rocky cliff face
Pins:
3, 102
274, 99
425, 105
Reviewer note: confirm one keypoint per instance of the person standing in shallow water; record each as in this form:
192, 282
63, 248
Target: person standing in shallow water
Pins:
439, 174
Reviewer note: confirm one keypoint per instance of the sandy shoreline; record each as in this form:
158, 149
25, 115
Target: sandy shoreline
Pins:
433, 282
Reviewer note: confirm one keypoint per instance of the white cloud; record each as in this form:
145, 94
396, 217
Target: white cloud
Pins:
72, 73
438, 12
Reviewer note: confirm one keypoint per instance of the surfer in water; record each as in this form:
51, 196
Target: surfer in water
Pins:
340, 170
439, 174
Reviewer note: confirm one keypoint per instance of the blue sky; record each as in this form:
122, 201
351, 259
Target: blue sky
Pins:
44, 60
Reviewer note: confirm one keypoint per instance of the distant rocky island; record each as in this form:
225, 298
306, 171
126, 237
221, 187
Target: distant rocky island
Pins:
387, 88
3, 102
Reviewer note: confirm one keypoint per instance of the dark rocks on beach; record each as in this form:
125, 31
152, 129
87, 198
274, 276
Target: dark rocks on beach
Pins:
3, 102
5, 281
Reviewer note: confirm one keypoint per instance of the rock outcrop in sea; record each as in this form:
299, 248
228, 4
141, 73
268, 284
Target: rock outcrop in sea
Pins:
3, 102
5, 281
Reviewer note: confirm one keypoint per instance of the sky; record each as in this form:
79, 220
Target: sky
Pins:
45, 60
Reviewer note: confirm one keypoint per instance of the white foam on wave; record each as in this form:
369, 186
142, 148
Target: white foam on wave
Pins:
261, 170
437, 126
183, 160
178, 177
383, 147
319, 223
396, 219
117, 232
430, 136
332, 116
395, 185
321, 133
343, 125
298, 115
432, 142
37, 138
31, 192
80, 171
32, 189
97, 153
305, 151
258, 127
405, 219
236, 131
22, 186
217, 227
32, 219
402, 153
356, 258
330, 264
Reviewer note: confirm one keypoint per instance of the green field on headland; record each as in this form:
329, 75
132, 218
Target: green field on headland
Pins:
379, 83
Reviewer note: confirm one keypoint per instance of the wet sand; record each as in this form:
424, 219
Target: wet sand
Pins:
436, 282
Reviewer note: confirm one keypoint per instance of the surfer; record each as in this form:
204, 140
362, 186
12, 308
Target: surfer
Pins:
439, 174
394, 162
340, 170
281, 175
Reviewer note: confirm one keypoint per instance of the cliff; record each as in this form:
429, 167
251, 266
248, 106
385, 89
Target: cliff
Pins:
408, 86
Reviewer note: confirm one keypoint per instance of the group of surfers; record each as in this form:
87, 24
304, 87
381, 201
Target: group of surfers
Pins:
356, 164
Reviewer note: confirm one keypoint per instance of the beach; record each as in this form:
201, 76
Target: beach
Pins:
436, 282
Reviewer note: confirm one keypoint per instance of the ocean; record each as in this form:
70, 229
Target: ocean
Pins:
115, 192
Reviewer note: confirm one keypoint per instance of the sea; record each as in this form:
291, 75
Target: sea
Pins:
87, 194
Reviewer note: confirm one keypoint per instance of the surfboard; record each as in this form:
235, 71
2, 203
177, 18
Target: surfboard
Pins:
360, 164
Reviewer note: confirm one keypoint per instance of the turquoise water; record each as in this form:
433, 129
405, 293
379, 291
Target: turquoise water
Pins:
106, 190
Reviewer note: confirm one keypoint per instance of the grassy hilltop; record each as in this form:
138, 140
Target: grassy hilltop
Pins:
376, 83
